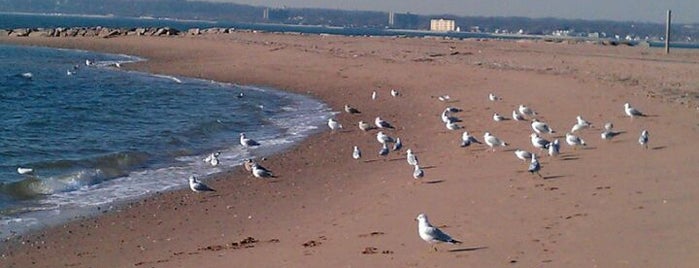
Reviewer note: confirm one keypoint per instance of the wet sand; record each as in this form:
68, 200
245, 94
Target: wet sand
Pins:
609, 204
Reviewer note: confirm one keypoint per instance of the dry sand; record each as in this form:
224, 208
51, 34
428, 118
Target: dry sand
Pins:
611, 204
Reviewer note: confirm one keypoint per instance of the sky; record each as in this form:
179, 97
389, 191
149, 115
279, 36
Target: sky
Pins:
683, 11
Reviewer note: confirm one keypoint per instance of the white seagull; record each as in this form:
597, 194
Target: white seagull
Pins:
384, 150
497, 117
523, 155
444, 98
397, 145
418, 172
492, 97
632, 112
373, 95
467, 139
608, 133
380, 123
517, 116
446, 118
643, 139
247, 142
212, 159
333, 124
493, 141
431, 234
365, 126
261, 172
524, 110
383, 138
356, 154
554, 148
25, 171
534, 166
351, 110
411, 158
574, 141
541, 127
394, 92
198, 186
452, 126
539, 142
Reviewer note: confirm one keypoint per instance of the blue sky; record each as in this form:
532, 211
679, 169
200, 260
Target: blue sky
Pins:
684, 11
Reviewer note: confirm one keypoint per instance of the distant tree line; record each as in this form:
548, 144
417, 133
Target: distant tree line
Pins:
183, 9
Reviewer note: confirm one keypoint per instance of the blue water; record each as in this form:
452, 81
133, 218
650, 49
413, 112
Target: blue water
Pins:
100, 135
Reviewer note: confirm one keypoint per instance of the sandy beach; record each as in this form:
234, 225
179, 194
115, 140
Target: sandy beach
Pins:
611, 203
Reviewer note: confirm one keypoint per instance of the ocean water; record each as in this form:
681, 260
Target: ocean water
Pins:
96, 135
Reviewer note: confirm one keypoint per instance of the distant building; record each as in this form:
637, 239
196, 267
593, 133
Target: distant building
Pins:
442, 25
402, 20
275, 14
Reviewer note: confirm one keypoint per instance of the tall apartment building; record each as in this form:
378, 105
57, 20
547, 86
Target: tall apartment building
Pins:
442, 25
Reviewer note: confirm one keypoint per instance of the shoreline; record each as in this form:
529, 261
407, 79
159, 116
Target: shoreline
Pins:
327, 210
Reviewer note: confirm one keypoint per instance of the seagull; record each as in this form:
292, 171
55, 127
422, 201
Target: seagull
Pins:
25, 171
398, 145
69, 72
356, 154
554, 148
632, 112
247, 164
524, 110
574, 141
541, 127
351, 110
432, 234
493, 141
212, 159
418, 173
383, 138
240, 95
261, 172
246, 142
539, 142
643, 139
88, 63
453, 109
446, 118
523, 155
516, 116
534, 166
380, 123
444, 98
27, 75
452, 126
373, 95
384, 149
497, 117
492, 97
467, 139
118, 65
333, 124
198, 186
365, 126
394, 92
608, 133
411, 158
580, 124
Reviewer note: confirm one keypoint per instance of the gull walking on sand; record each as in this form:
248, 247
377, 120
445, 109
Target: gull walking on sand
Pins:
541, 127
411, 158
383, 138
554, 148
493, 141
380, 123
467, 139
212, 159
526, 111
356, 154
631, 111
574, 141
534, 166
247, 142
351, 110
539, 142
333, 124
492, 97
364, 126
523, 155
497, 117
198, 186
418, 173
397, 145
643, 139
431, 234
517, 116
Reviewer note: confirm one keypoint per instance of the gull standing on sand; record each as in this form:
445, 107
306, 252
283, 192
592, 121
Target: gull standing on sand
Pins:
534, 166
643, 139
541, 127
394, 92
198, 186
333, 124
526, 111
516, 116
539, 142
554, 148
380, 123
492, 97
446, 118
351, 110
356, 154
574, 141
418, 173
383, 138
261, 172
632, 112
364, 126
467, 139
444, 98
247, 142
523, 155
431, 234
452, 126
497, 117
411, 158
608, 133
212, 159
493, 141
397, 145
373, 95
384, 150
